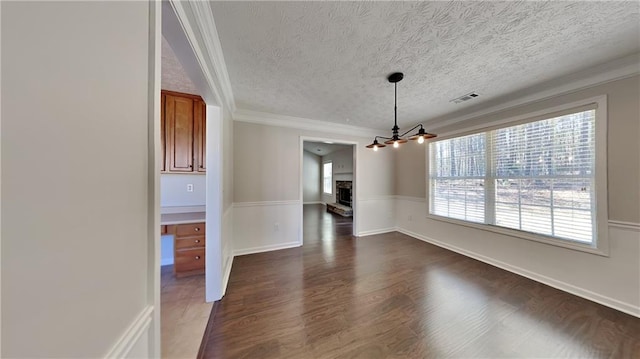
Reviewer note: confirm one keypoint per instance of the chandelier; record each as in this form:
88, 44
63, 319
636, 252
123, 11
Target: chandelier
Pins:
396, 139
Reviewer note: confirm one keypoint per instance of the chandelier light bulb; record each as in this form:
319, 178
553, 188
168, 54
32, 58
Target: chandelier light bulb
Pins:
396, 137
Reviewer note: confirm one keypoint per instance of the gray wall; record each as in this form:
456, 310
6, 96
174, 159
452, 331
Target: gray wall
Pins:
311, 180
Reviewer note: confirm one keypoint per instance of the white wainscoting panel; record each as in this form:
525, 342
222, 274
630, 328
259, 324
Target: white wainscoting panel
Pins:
265, 226
227, 246
376, 215
612, 281
134, 341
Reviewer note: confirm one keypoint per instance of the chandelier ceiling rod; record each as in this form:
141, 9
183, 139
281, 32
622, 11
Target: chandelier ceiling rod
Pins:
396, 139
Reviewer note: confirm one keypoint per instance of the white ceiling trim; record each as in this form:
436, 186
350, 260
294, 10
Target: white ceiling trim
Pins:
616, 70
269, 119
197, 22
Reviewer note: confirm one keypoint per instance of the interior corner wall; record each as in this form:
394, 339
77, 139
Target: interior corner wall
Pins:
75, 178
613, 280
311, 179
267, 199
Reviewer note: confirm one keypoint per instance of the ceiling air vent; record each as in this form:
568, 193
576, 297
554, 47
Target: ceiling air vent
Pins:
464, 98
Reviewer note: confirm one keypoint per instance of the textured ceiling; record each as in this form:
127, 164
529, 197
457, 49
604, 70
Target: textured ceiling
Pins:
329, 60
174, 77
322, 148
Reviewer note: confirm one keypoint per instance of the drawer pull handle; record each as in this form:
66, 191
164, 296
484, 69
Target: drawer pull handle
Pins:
197, 241
197, 229
197, 257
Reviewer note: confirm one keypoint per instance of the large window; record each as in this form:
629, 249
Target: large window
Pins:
535, 177
327, 180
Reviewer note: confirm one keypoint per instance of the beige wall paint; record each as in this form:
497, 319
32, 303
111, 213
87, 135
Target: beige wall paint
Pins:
266, 164
410, 169
613, 280
623, 157
75, 186
267, 193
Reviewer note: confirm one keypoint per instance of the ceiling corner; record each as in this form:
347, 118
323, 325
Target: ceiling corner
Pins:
199, 27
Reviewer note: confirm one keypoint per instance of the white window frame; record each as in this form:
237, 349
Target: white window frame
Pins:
600, 245
324, 190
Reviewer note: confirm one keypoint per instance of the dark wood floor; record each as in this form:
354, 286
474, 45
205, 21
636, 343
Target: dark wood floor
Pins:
392, 296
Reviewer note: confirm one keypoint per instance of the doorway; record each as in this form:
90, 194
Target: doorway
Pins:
328, 190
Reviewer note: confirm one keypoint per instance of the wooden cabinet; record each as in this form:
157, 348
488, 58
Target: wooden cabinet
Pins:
200, 136
184, 135
189, 249
163, 135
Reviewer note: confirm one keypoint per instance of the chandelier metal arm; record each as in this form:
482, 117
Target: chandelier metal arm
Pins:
386, 138
396, 139
412, 128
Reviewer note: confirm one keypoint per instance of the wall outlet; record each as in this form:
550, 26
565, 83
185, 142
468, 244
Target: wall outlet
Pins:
410, 218
276, 226
190, 187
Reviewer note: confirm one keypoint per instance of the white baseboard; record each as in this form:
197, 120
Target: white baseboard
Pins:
563, 286
269, 248
375, 231
132, 335
226, 275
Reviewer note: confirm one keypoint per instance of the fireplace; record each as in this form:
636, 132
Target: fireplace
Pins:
343, 193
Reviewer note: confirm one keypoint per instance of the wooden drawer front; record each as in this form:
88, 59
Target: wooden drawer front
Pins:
190, 242
190, 229
189, 260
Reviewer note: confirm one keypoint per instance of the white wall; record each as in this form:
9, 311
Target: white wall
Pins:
311, 180
173, 190
342, 166
227, 196
76, 190
612, 280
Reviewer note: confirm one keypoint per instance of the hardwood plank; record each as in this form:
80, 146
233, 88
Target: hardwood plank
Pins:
391, 296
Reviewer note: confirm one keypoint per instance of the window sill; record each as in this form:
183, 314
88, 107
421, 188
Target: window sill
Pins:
526, 235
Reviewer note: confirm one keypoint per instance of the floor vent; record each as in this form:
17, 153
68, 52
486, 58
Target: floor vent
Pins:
464, 98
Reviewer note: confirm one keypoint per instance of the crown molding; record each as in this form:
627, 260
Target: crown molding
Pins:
196, 19
611, 71
270, 119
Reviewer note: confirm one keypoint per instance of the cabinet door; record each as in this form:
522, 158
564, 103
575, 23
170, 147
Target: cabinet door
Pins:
201, 136
163, 135
180, 126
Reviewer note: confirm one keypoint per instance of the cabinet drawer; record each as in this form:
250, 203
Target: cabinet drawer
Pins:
190, 242
189, 229
189, 260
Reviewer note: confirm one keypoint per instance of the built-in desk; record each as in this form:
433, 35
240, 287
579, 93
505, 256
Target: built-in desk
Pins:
181, 218
188, 230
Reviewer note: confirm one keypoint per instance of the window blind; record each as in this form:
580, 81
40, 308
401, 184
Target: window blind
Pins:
535, 177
